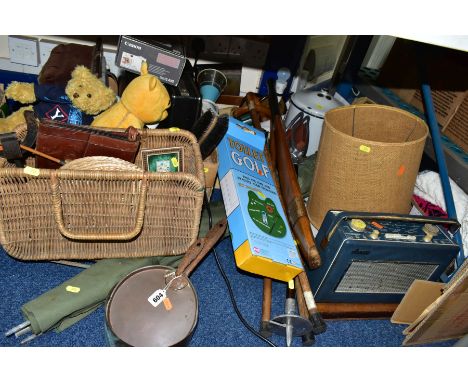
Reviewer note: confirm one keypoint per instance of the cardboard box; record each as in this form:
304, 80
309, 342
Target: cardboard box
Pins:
435, 311
165, 63
457, 128
449, 87
419, 296
451, 111
260, 234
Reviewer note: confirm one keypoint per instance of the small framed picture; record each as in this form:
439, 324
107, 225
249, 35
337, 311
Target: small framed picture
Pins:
163, 160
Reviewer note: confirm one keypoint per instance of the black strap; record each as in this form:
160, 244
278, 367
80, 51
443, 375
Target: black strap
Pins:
11, 145
31, 133
11, 149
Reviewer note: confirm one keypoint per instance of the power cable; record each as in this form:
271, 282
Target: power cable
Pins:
228, 284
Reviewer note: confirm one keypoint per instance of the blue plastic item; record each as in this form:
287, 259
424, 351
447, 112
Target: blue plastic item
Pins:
444, 178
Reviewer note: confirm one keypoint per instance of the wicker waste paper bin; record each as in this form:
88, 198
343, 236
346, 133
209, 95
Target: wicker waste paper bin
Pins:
368, 160
104, 210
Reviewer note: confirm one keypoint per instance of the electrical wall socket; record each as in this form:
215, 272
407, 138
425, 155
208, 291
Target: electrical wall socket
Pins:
45, 47
239, 49
236, 46
248, 51
217, 45
24, 50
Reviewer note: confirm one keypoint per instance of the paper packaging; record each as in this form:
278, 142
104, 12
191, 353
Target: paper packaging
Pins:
165, 63
435, 311
260, 234
420, 295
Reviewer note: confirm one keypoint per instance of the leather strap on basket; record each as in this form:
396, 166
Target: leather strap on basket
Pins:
131, 133
58, 215
200, 248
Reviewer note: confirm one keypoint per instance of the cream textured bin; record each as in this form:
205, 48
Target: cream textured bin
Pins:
368, 160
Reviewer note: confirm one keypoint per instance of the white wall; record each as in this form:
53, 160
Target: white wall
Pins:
250, 80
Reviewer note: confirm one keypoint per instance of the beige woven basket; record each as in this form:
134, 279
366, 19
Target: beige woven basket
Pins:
83, 213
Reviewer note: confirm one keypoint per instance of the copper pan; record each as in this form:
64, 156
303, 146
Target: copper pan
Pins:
138, 313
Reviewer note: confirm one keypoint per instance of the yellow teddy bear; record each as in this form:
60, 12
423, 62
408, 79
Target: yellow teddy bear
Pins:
77, 103
144, 100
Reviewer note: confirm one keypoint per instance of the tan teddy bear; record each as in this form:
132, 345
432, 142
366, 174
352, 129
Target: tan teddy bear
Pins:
83, 97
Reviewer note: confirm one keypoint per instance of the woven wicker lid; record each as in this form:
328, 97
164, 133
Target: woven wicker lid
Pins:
104, 163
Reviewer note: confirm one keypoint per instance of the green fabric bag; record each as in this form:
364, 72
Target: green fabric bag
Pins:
79, 296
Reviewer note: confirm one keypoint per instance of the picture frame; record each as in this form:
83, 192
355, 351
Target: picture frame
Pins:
163, 160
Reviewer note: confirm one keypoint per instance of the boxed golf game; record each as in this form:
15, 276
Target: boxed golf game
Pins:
260, 234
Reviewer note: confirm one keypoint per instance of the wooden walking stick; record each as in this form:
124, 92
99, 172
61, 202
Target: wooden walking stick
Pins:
308, 339
289, 185
265, 329
318, 324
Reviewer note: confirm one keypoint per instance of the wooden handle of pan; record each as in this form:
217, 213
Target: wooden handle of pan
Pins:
191, 253
198, 250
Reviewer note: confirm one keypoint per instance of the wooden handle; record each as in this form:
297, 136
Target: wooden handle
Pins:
194, 250
301, 304
265, 329
318, 324
41, 154
290, 189
308, 339
255, 106
289, 185
307, 292
343, 310
198, 251
266, 304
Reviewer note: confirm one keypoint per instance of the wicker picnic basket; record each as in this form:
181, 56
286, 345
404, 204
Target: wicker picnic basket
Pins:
92, 211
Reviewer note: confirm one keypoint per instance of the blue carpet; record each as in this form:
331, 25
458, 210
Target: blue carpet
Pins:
218, 325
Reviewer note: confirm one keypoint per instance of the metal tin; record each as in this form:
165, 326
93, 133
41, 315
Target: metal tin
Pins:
133, 321
304, 121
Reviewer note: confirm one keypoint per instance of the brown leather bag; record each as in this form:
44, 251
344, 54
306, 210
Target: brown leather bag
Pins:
67, 142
